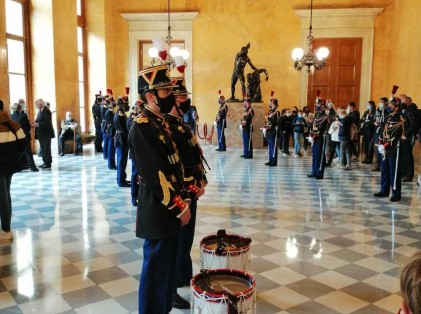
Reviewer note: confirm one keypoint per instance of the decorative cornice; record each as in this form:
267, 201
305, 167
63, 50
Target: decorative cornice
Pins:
184, 16
361, 12
332, 18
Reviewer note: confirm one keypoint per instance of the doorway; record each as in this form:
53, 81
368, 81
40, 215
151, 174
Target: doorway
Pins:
341, 78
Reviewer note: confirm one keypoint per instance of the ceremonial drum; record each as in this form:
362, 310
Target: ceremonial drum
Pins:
223, 291
223, 250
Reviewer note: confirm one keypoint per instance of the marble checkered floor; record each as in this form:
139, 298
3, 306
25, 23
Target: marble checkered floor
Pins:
318, 246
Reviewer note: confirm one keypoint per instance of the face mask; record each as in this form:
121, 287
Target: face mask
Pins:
300, 115
381, 106
369, 107
288, 114
317, 107
341, 116
388, 109
185, 106
165, 104
348, 111
329, 105
126, 107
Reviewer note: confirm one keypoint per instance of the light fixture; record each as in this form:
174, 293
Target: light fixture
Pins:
163, 52
310, 59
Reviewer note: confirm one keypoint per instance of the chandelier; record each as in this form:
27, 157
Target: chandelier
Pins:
309, 59
163, 52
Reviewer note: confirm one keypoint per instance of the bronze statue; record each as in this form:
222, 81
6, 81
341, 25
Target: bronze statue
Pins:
253, 84
241, 59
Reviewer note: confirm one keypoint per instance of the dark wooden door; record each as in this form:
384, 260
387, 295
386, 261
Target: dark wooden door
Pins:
340, 79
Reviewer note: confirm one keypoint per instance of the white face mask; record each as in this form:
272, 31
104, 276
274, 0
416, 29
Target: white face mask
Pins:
300, 115
329, 105
348, 111
381, 105
288, 114
341, 116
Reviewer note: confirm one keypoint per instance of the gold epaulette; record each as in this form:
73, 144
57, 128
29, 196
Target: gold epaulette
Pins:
141, 119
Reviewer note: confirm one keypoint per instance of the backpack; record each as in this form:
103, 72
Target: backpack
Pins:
354, 132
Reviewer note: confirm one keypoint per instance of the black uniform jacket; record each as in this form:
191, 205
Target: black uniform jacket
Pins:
221, 117
247, 120
320, 123
109, 119
392, 133
190, 153
161, 192
120, 124
273, 119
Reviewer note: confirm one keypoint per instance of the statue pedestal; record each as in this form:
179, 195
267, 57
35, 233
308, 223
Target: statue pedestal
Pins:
233, 134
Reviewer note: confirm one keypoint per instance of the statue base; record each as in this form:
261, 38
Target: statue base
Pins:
234, 100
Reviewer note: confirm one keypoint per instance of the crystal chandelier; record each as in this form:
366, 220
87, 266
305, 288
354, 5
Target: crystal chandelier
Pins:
309, 59
176, 58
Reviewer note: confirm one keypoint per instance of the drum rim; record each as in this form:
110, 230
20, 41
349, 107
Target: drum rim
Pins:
240, 250
247, 293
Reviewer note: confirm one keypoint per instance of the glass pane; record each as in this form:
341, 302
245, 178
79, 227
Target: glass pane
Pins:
79, 40
82, 105
14, 18
79, 7
17, 86
80, 67
15, 56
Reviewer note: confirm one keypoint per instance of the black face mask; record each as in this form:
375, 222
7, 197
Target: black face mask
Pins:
185, 106
165, 104
126, 107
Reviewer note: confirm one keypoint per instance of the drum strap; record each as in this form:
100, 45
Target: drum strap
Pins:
232, 299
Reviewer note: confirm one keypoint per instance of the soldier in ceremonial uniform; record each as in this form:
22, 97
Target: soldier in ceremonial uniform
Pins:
195, 178
221, 123
110, 133
247, 128
163, 201
134, 183
105, 140
271, 128
317, 137
96, 113
120, 140
380, 118
389, 148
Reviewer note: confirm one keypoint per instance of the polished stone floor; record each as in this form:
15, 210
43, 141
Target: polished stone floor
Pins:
318, 246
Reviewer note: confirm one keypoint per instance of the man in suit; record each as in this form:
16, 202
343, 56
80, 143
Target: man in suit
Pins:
21, 117
44, 132
69, 130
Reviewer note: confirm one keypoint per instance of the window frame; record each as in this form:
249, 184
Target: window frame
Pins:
81, 22
26, 40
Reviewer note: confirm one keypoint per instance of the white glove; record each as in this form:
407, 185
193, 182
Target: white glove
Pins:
310, 140
380, 148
